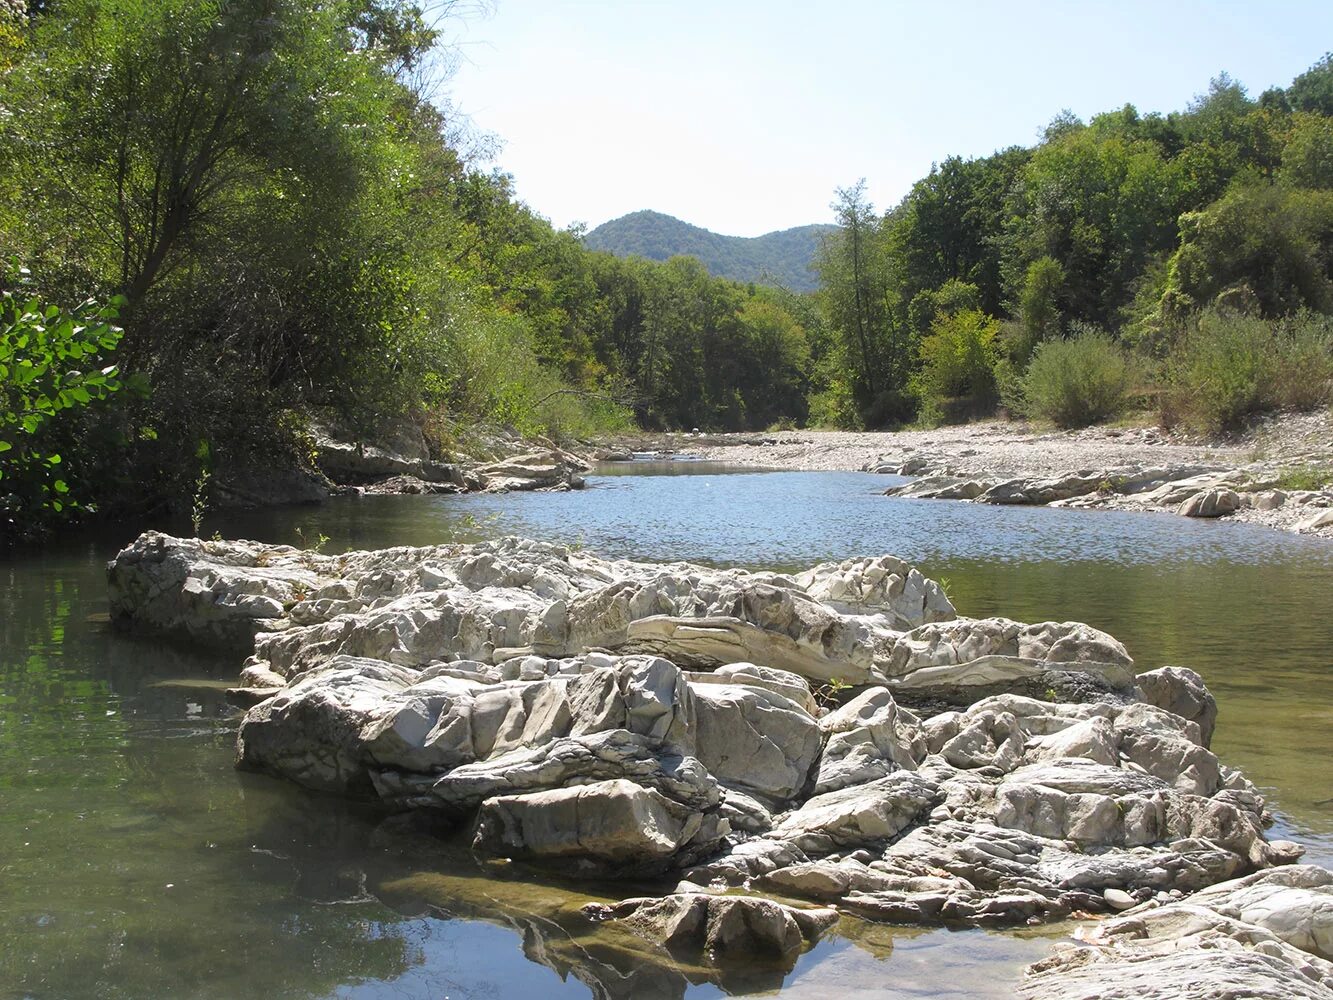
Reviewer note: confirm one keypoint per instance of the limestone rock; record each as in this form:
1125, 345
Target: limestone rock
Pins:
614, 822
1266, 936
1181, 692
721, 927
1215, 502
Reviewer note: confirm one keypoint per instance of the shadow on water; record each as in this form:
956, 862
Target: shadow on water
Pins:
134, 862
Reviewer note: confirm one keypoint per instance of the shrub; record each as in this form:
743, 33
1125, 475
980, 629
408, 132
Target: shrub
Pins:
957, 360
1228, 366
50, 367
1079, 381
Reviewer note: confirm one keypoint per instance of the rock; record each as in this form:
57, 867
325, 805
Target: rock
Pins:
398, 450
754, 739
1323, 519
1266, 936
616, 823
1181, 692
1215, 502
1269, 499
721, 927
547, 470
1044, 491
623, 719
1118, 899
867, 738
853, 817
941, 488
886, 586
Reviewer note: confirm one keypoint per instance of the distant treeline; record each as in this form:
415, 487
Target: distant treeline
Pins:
1129, 228
220, 220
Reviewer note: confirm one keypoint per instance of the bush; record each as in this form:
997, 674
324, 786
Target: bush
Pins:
957, 360
1228, 366
51, 366
1079, 381
494, 375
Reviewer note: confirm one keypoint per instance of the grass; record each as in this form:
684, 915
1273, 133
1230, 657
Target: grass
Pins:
1309, 477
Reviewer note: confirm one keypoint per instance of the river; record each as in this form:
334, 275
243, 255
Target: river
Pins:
135, 862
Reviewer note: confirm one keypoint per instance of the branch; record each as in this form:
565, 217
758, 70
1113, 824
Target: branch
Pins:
588, 394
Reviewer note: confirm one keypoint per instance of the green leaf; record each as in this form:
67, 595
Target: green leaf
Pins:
60, 486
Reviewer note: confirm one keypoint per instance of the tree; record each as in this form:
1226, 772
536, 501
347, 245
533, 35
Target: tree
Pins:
50, 363
1268, 245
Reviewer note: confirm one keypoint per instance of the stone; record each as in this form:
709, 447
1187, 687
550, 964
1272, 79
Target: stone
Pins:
852, 817
1181, 692
720, 927
1118, 899
633, 720
1216, 502
867, 738
754, 739
1265, 936
1317, 521
614, 822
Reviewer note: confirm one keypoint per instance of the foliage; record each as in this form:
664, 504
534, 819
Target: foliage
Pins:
957, 360
1268, 245
50, 363
1229, 366
1083, 380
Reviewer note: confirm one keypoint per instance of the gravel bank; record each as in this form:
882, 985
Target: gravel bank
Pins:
1001, 450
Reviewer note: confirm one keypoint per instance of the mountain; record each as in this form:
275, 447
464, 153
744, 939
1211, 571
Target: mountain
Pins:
779, 258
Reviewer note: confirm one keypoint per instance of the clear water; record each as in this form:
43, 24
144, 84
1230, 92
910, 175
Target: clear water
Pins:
134, 862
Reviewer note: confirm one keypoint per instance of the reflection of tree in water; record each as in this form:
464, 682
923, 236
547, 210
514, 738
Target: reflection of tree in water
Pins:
124, 858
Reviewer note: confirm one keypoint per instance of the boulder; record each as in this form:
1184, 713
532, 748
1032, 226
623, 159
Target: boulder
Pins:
1267, 936
867, 738
553, 469
606, 823
627, 719
1183, 693
1215, 502
720, 927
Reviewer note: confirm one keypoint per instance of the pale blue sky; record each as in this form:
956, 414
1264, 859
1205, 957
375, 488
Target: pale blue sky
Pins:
743, 116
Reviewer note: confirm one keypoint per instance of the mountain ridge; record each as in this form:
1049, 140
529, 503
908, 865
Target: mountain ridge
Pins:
782, 257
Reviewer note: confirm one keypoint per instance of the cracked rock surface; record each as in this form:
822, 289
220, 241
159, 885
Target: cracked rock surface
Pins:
676, 722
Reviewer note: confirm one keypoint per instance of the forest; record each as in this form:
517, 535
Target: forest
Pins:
222, 220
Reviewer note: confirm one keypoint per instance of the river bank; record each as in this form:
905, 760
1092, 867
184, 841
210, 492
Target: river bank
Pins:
1279, 473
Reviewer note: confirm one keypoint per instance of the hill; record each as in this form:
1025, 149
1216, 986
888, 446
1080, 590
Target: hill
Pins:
781, 258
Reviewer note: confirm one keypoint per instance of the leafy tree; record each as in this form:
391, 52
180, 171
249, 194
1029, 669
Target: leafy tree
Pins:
50, 363
1273, 244
1307, 159
1083, 380
957, 362
1313, 90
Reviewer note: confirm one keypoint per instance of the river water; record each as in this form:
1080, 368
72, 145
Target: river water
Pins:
134, 862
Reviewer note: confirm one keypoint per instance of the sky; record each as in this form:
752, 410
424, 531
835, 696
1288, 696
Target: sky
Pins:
744, 116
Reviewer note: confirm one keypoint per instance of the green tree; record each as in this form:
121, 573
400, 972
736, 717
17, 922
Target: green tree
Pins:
50, 363
957, 362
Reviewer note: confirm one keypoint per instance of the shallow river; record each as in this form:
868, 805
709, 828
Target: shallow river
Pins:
134, 862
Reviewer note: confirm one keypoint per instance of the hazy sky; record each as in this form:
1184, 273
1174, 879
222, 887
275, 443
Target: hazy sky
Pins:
743, 116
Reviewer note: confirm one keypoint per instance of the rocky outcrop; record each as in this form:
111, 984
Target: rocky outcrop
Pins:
625, 719
1268, 936
720, 927
1187, 490
398, 460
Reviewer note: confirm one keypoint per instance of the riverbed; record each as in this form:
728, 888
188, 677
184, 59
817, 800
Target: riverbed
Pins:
135, 862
